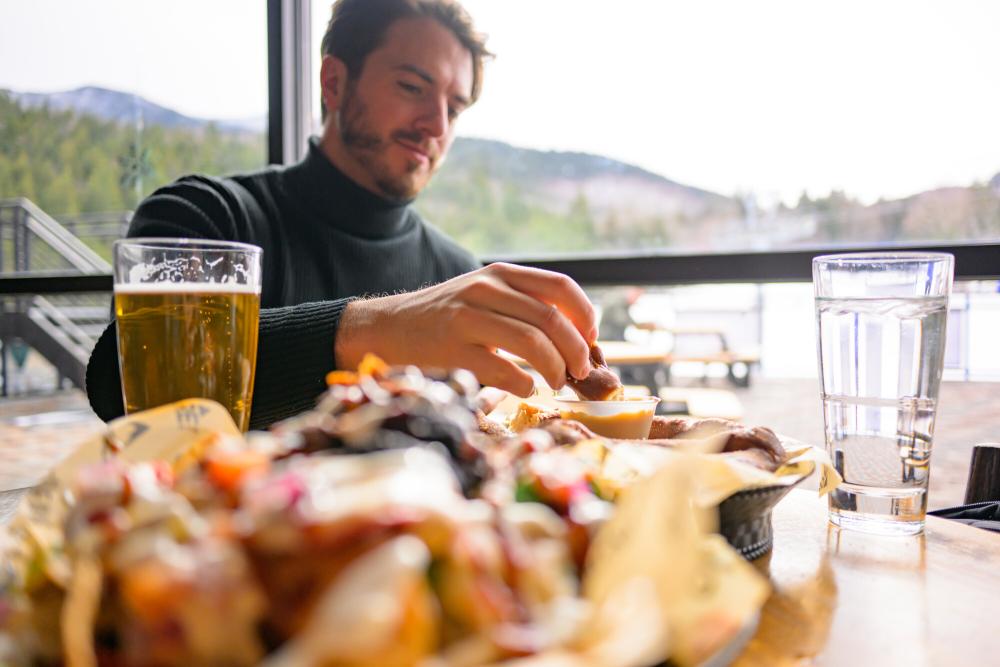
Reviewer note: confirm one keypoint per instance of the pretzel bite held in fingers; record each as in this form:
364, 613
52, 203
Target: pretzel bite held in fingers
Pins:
601, 384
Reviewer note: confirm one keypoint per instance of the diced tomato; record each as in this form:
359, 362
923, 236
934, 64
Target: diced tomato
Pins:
372, 365
230, 470
149, 591
341, 377
557, 490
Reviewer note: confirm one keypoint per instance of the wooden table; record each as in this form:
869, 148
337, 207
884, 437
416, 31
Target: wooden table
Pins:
848, 598
845, 598
625, 353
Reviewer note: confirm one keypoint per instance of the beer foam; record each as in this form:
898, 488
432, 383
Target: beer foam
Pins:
185, 288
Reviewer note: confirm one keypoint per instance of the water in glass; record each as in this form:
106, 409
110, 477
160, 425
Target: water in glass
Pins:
881, 361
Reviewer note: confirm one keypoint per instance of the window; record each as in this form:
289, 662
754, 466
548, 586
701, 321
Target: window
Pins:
724, 126
100, 103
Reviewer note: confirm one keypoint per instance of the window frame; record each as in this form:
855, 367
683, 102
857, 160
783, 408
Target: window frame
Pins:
289, 54
973, 261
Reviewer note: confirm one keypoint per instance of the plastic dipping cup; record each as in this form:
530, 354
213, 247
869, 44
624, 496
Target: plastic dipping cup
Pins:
630, 418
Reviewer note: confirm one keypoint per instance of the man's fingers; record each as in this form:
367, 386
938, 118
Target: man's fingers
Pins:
553, 288
491, 369
499, 297
494, 330
489, 398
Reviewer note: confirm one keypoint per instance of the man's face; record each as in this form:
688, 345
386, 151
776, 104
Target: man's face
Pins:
396, 119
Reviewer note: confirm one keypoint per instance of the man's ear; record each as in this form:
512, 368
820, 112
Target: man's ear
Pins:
333, 83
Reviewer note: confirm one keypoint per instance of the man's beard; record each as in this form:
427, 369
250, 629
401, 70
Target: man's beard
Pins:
368, 148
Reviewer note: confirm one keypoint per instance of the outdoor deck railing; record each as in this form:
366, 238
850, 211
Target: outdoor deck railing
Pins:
33, 246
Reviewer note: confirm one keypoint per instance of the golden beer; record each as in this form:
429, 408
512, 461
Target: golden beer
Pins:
188, 340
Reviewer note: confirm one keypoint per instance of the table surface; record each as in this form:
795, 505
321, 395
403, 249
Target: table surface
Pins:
847, 598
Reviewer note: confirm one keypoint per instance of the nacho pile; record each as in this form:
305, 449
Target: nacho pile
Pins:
385, 527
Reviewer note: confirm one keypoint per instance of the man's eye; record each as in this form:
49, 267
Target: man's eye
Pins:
452, 113
409, 87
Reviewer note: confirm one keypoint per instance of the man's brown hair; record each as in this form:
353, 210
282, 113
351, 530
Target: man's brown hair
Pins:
357, 28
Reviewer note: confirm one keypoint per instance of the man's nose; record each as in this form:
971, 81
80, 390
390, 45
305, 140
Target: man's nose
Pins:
434, 119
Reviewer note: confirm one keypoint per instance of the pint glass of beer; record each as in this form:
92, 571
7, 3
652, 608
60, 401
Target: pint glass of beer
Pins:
187, 312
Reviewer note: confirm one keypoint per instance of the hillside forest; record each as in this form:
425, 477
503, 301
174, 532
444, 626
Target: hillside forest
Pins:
492, 197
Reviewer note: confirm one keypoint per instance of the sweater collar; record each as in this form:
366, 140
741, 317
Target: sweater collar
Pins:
334, 199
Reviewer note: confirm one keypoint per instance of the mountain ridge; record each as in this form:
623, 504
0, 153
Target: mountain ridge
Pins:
491, 196
124, 107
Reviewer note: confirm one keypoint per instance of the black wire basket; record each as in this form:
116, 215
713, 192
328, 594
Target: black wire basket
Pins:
745, 518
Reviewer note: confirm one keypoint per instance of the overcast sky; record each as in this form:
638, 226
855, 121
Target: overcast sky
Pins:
878, 98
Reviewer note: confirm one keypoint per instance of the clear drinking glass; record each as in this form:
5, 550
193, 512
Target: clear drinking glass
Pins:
187, 314
881, 324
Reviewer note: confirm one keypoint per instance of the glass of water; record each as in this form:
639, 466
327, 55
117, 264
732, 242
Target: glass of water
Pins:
882, 324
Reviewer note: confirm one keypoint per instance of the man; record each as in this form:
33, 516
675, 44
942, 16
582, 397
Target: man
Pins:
338, 227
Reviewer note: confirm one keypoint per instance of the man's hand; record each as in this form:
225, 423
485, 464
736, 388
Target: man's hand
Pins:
541, 316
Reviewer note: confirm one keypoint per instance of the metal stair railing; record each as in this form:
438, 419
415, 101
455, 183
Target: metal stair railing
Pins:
77, 253
46, 329
62, 329
77, 340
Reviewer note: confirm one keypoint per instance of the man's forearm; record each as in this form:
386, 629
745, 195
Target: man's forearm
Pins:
294, 353
357, 333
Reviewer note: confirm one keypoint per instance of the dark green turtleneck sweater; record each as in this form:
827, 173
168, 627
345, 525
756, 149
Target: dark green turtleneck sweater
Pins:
325, 240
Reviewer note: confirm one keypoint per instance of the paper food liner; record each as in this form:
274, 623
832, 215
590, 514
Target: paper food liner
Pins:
719, 477
33, 542
659, 583
703, 590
